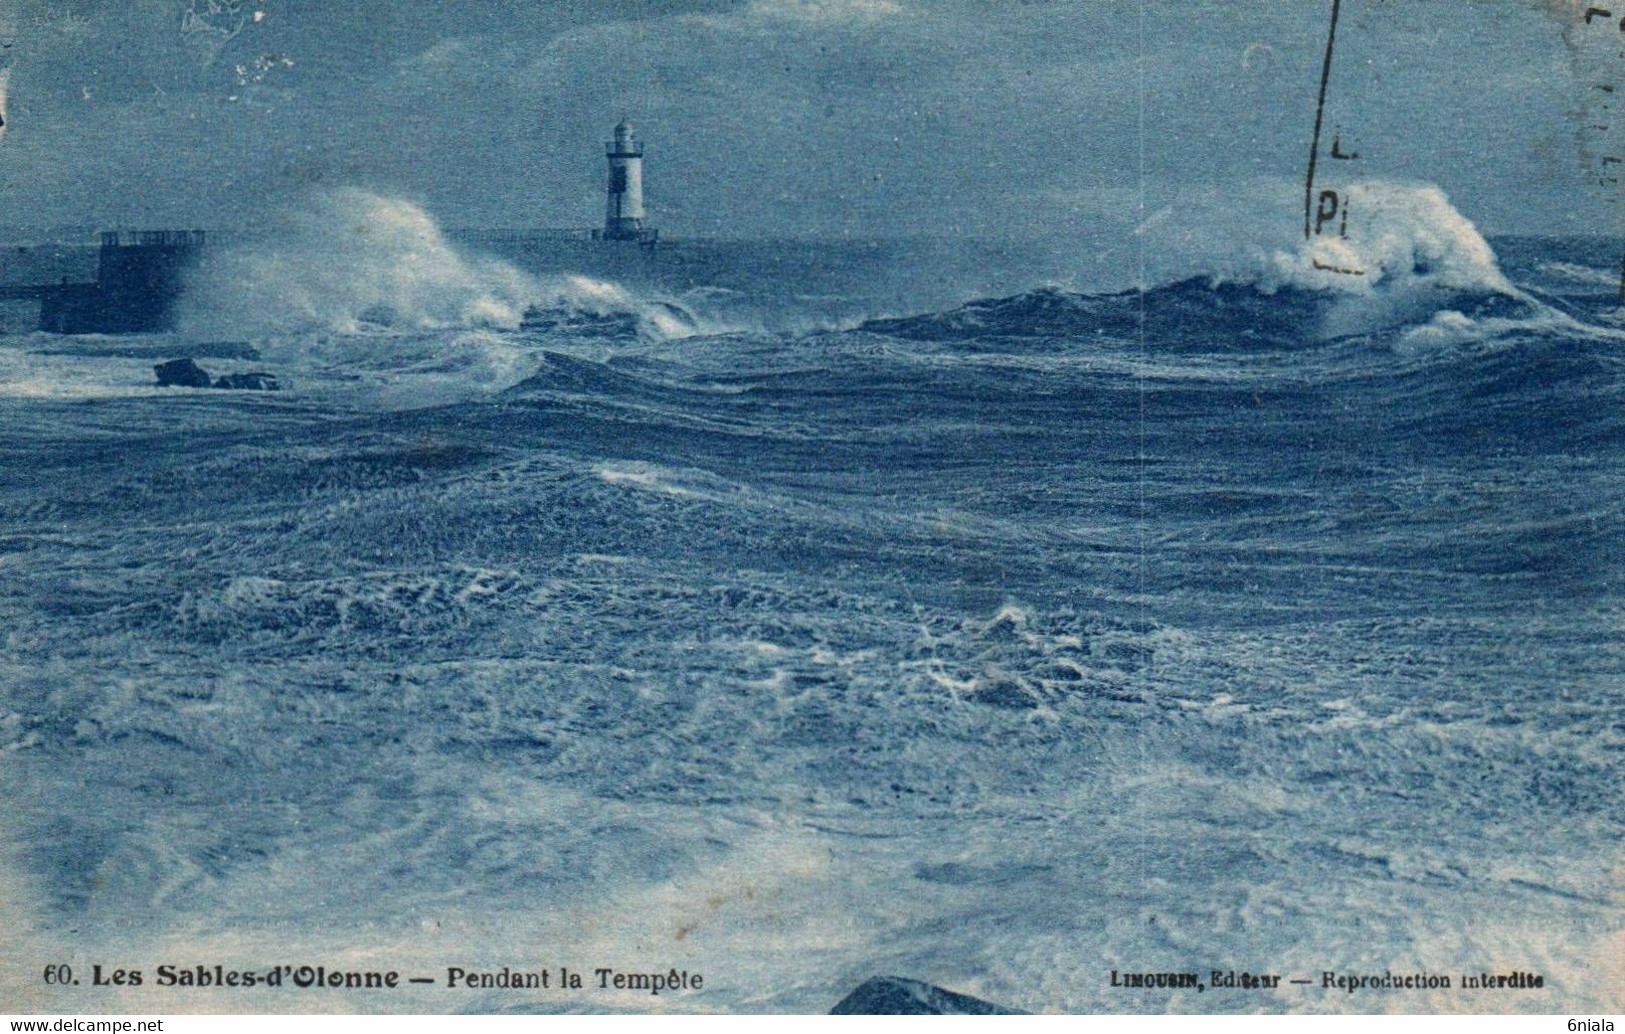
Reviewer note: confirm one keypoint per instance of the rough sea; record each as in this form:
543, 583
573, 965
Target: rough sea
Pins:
1263, 620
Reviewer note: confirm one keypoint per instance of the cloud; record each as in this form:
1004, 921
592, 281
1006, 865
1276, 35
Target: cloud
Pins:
772, 116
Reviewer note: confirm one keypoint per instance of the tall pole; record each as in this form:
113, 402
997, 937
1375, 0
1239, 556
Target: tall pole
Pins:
1320, 111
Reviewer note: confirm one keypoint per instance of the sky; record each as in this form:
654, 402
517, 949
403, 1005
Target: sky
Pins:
785, 117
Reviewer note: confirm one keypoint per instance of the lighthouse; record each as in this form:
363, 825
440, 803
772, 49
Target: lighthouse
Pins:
623, 212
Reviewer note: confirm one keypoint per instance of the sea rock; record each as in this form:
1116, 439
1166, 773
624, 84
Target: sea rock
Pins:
181, 373
257, 380
896, 996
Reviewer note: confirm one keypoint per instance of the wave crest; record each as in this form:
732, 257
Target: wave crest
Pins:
1205, 313
1409, 260
1404, 237
349, 261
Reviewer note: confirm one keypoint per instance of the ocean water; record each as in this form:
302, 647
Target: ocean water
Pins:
1262, 621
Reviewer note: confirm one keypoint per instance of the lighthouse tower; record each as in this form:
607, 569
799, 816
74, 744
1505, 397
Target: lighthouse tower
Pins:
623, 214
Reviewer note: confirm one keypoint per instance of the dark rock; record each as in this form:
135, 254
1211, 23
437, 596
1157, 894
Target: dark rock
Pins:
895, 996
257, 380
181, 373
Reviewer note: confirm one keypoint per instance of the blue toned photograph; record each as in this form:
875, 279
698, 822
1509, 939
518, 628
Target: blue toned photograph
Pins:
793, 506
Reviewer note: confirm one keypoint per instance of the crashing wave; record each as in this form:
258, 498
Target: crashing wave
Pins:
347, 261
1194, 310
583, 307
1406, 237
353, 262
1411, 260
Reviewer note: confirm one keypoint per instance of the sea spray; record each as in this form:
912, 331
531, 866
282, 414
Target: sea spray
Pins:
349, 261
1410, 260
365, 293
344, 258
1401, 234
1404, 252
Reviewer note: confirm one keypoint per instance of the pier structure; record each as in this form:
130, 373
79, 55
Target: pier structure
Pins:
139, 275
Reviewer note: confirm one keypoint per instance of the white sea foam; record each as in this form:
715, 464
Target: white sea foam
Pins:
358, 291
350, 261
345, 258
1407, 252
1395, 232
1403, 253
1400, 237
28, 373
1573, 274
